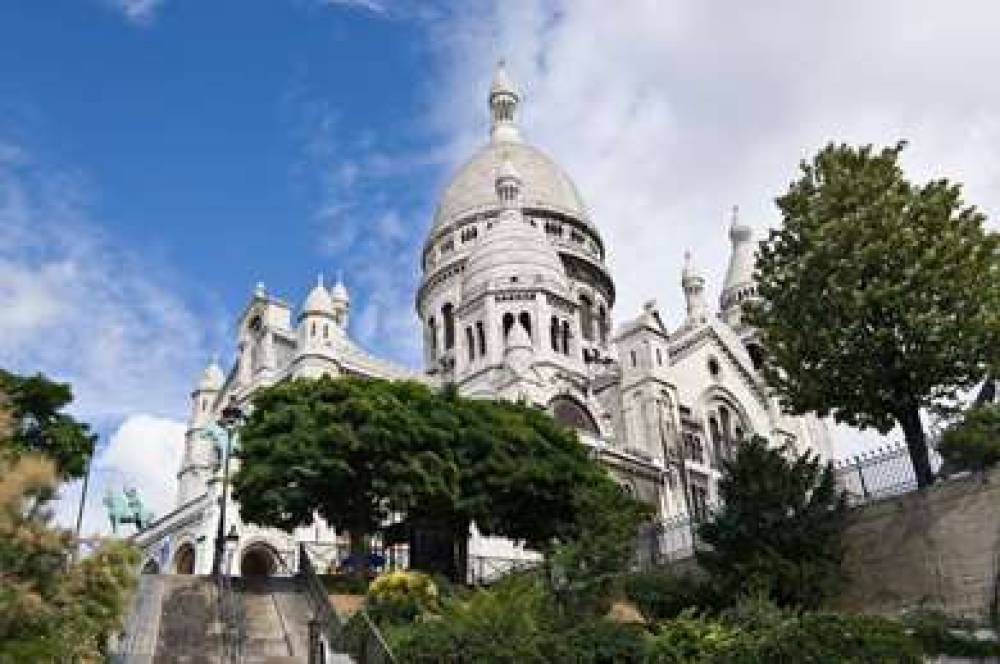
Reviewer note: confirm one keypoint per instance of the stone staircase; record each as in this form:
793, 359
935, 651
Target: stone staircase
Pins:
175, 619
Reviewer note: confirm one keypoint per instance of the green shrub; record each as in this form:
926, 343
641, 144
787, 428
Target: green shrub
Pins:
661, 594
508, 623
973, 443
692, 638
938, 634
771, 635
401, 596
599, 641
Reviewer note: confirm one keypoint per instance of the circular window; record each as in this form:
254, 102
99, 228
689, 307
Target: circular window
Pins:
714, 367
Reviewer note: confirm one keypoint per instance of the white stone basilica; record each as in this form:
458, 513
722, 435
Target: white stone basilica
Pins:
515, 302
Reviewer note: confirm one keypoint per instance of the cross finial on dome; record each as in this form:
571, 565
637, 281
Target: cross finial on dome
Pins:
503, 102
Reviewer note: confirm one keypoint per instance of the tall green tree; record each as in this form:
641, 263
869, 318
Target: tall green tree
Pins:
40, 424
779, 528
878, 297
356, 451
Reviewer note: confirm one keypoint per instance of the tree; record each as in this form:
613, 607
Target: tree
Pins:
50, 608
351, 450
878, 297
973, 443
779, 529
36, 405
356, 451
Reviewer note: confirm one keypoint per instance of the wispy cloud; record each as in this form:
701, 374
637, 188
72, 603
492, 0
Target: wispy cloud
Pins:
373, 6
667, 113
137, 12
79, 308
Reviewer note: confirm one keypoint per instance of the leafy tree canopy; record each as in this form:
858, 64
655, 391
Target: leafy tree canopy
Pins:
51, 609
36, 405
973, 443
357, 450
779, 529
878, 297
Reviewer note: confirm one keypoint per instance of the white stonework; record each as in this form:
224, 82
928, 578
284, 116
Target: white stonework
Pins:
515, 302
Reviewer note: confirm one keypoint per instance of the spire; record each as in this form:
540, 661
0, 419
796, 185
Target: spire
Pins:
211, 378
503, 101
738, 284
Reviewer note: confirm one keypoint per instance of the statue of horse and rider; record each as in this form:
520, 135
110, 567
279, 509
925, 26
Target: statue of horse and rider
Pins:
126, 506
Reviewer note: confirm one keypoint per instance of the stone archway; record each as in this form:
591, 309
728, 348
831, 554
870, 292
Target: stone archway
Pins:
184, 559
258, 560
571, 413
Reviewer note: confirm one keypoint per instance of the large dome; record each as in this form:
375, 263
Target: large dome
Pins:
545, 185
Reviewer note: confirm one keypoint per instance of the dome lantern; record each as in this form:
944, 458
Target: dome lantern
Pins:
503, 102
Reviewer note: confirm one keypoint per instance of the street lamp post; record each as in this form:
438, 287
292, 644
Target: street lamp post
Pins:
231, 418
232, 542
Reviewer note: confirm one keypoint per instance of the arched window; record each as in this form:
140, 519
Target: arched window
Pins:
448, 316
508, 322
659, 358
525, 320
571, 413
326, 331
586, 318
602, 322
756, 355
481, 333
632, 357
716, 434
312, 330
565, 337
471, 343
554, 333
432, 337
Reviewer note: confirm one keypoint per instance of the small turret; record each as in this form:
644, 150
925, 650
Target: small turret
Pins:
341, 302
503, 100
205, 393
738, 285
694, 291
317, 322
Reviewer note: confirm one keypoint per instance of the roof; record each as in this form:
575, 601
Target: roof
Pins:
544, 184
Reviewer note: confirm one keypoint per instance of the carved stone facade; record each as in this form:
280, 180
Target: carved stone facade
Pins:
516, 302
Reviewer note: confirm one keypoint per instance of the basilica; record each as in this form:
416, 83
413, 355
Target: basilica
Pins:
515, 302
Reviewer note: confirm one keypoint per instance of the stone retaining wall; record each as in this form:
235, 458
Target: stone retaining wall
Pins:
938, 548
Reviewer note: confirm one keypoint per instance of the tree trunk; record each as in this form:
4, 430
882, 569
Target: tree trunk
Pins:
359, 550
916, 442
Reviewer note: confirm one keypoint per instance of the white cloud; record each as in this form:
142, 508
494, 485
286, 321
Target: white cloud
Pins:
77, 307
368, 5
138, 12
145, 452
667, 112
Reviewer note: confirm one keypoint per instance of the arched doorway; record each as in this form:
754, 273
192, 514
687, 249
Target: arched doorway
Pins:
151, 567
258, 560
184, 559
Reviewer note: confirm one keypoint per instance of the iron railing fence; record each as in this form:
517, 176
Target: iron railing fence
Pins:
484, 570
880, 473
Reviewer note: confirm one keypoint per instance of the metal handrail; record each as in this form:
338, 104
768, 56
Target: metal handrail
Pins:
370, 649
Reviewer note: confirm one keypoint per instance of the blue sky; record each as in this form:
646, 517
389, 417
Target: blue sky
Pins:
159, 157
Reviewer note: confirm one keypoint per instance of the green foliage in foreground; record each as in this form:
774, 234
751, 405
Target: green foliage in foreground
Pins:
973, 443
518, 621
779, 529
51, 609
939, 634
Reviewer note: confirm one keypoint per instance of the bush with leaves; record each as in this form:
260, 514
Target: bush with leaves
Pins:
779, 529
973, 443
661, 594
940, 634
401, 596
